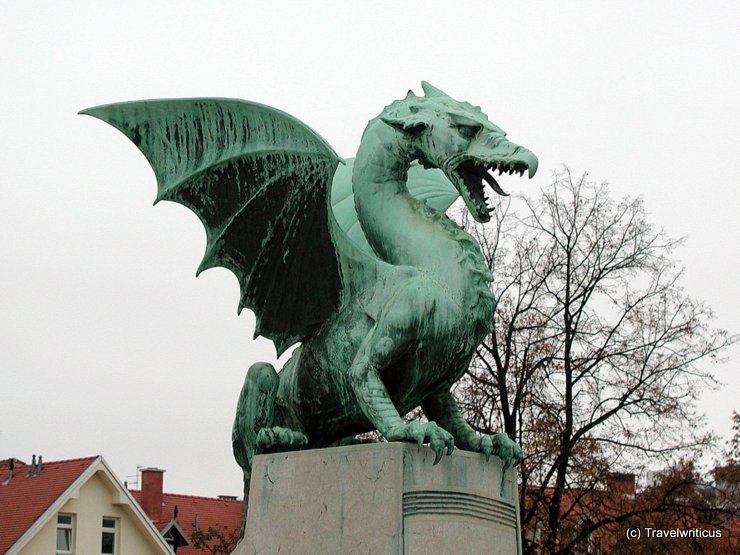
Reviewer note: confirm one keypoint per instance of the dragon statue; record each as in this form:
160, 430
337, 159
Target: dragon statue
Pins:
389, 312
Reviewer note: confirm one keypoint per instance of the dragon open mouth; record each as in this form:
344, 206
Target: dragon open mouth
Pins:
475, 173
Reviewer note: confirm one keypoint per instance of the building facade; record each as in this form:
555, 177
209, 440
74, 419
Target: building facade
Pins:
69, 507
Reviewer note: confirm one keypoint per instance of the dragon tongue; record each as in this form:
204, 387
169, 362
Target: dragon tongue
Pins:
494, 185
488, 178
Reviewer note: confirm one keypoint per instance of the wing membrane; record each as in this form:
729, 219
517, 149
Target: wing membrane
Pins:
258, 179
428, 185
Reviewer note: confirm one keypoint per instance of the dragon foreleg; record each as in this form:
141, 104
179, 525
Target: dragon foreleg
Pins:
443, 408
384, 344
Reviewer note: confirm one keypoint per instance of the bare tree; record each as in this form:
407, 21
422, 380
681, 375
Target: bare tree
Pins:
598, 355
732, 451
697, 512
216, 540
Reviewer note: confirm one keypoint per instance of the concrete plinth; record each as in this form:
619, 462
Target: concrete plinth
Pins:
380, 499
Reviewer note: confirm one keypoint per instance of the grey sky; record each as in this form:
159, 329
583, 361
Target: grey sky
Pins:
109, 345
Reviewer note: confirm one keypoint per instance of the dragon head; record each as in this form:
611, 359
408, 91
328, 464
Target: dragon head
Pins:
457, 138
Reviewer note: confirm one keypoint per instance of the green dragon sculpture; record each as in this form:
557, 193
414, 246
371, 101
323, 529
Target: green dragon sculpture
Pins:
388, 313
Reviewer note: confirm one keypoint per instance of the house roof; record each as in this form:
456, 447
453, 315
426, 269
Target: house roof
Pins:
33, 495
25, 498
221, 514
28, 496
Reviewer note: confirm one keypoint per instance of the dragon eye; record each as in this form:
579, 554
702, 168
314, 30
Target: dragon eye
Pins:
468, 131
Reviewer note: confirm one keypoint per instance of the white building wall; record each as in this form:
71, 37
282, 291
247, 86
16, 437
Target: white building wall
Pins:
94, 501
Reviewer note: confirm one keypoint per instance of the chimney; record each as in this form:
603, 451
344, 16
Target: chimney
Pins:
32, 470
621, 483
11, 466
152, 480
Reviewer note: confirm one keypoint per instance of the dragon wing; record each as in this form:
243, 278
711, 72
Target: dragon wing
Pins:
428, 185
259, 181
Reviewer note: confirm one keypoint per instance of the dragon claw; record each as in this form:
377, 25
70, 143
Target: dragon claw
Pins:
486, 446
501, 446
438, 438
283, 439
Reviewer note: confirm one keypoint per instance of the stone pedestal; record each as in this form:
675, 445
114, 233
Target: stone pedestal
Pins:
380, 499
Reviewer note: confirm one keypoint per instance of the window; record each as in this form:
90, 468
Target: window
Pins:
108, 539
65, 535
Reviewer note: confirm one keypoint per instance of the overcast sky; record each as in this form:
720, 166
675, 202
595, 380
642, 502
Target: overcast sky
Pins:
108, 343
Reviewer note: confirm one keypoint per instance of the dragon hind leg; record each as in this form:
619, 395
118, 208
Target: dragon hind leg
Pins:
254, 411
254, 431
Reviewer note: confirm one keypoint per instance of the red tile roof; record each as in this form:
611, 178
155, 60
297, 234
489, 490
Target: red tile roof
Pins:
221, 514
25, 498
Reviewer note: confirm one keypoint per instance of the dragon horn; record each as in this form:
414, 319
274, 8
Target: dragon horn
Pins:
431, 90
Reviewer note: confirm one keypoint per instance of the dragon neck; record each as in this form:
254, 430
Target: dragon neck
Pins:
405, 231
